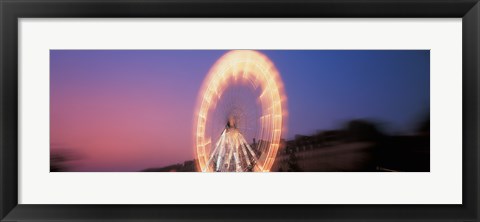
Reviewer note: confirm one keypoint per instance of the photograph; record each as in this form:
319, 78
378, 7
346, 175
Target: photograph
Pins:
239, 110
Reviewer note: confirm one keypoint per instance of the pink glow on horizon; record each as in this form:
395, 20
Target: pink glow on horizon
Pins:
117, 127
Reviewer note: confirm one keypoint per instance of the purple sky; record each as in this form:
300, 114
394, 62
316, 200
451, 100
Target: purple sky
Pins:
127, 110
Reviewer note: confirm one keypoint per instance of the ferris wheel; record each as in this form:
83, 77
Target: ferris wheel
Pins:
240, 115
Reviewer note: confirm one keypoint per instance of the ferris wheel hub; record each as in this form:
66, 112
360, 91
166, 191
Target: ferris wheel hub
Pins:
231, 123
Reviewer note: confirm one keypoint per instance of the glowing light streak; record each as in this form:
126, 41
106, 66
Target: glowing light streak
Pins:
259, 71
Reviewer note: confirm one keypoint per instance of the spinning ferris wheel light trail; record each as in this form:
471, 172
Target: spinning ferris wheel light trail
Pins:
241, 114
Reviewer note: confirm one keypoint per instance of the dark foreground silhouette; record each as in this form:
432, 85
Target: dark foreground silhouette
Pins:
357, 147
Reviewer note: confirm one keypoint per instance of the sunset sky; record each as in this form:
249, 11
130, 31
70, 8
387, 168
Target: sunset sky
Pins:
127, 110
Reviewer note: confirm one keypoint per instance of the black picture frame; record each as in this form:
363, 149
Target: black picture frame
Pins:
12, 10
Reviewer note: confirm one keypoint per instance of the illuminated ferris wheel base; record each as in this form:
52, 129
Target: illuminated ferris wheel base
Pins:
232, 153
229, 151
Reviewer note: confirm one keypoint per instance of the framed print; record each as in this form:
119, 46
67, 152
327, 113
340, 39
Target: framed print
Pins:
225, 110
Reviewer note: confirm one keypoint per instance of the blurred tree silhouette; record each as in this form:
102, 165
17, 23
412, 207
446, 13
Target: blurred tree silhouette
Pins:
424, 126
363, 130
60, 160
